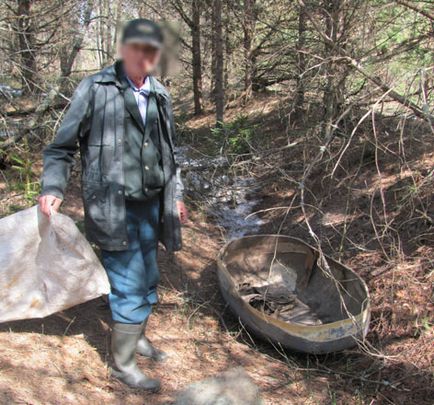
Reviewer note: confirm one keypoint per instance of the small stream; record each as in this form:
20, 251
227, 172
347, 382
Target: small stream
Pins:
229, 199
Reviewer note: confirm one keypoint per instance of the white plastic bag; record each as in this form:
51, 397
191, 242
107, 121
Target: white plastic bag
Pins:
46, 265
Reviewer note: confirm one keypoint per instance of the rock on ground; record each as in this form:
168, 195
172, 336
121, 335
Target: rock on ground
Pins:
233, 387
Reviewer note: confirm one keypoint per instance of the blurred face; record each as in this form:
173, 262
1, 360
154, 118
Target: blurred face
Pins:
139, 59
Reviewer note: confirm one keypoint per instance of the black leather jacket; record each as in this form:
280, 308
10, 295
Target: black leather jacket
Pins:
94, 123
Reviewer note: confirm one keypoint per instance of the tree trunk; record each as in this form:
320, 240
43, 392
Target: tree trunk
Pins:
69, 53
249, 25
118, 25
213, 53
26, 44
105, 38
301, 63
100, 34
108, 32
335, 72
218, 44
196, 57
228, 48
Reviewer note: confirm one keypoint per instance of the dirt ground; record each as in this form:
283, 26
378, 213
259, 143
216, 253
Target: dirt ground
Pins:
63, 359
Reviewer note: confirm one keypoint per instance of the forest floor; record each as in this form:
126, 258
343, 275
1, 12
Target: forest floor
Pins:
63, 359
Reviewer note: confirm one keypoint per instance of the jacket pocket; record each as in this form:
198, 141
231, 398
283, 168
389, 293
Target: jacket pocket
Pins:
96, 199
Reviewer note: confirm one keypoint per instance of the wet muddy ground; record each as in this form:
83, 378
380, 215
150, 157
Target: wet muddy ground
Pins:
228, 197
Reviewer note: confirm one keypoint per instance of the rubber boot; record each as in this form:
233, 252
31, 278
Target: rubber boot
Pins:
124, 343
145, 347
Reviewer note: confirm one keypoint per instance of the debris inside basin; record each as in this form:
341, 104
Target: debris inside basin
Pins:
229, 199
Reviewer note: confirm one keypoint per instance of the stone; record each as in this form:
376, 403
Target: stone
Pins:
233, 387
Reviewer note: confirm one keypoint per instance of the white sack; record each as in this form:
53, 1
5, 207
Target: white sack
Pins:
46, 265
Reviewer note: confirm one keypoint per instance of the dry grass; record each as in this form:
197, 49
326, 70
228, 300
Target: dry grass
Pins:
375, 214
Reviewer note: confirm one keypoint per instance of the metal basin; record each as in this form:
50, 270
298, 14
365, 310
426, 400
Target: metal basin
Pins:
275, 286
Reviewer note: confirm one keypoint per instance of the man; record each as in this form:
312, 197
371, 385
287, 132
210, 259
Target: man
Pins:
121, 119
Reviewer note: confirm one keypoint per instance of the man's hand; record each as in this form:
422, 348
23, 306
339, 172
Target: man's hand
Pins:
48, 203
182, 211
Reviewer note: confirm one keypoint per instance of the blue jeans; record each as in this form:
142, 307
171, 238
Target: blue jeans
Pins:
133, 273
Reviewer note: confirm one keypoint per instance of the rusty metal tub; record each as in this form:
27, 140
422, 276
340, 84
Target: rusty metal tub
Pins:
323, 310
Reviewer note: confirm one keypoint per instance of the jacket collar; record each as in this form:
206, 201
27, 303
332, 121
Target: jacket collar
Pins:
113, 74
